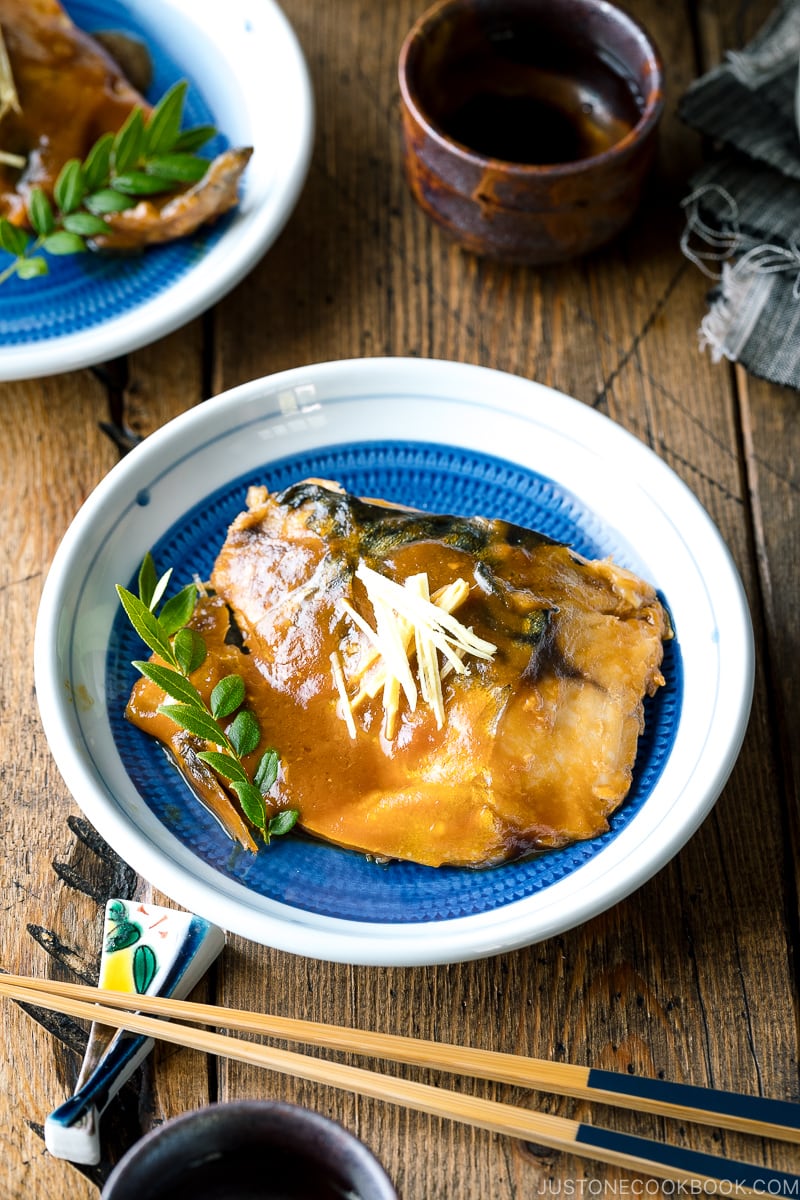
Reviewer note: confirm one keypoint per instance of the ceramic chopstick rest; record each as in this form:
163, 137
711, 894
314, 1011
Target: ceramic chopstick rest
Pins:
146, 949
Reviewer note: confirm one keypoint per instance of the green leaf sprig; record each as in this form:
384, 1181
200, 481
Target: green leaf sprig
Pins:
146, 157
183, 650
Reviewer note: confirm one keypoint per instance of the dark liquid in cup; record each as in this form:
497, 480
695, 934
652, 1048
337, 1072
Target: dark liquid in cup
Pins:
522, 97
267, 1178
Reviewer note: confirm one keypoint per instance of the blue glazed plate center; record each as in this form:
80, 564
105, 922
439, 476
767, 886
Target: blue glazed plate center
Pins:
311, 875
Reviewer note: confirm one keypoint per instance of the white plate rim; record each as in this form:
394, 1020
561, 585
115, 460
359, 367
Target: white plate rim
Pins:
593, 888
268, 195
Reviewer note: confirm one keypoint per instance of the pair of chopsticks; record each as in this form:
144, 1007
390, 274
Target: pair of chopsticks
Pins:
729, 1110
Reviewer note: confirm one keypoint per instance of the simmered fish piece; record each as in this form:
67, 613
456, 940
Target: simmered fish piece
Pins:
440, 689
71, 91
151, 221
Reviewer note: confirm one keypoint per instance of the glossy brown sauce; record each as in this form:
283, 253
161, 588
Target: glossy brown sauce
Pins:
506, 773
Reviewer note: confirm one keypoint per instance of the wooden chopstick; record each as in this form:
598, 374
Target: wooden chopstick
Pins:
626, 1150
758, 1115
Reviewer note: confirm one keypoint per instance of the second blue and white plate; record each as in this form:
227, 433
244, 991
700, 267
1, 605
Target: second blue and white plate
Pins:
445, 437
247, 75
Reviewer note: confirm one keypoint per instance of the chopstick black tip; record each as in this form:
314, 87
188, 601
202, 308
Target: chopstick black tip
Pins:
695, 1163
761, 1109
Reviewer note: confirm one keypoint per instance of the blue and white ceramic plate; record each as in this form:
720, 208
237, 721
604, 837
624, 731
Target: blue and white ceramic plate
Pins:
247, 76
442, 436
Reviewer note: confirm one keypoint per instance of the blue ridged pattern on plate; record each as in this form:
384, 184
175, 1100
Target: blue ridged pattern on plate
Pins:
312, 875
85, 290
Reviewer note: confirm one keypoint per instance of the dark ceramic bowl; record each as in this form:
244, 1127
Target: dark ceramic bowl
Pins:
253, 1150
529, 125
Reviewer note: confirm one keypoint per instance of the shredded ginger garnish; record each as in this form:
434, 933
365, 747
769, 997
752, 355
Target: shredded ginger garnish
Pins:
410, 623
9, 100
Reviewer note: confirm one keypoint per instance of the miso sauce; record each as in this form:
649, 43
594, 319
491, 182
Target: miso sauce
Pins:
524, 99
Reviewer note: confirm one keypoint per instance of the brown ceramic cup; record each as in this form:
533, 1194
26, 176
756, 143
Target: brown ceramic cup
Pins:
253, 1150
529, 126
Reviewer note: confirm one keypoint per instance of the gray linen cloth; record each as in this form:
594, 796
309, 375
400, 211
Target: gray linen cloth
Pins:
743, 213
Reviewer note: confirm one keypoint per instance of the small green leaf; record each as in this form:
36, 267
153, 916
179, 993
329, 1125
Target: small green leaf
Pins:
13, 240
136, 183
29, 268
178, 168
227, 696
176, 686
148, 579
40, 211
146, 625
84, 223
64, 242
70, 187
107, 200
128, 145
194, 720
97, 165
117, 911
282, 822
190, 650
244, 733
127, 933
266, 772
164, 122
185, 652
225, 765
192, 139
252, 803
178, 609
145, 965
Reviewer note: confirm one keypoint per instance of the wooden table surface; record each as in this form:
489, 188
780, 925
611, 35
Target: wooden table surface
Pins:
691, 978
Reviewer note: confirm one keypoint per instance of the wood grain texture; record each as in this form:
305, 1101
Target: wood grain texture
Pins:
693, 977
46, 474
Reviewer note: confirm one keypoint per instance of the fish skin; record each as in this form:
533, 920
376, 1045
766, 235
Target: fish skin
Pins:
539, 744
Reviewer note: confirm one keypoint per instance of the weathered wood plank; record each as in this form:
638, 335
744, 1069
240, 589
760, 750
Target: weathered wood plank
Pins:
56, 876
670, 980
166, 379
52, 453
638, 988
